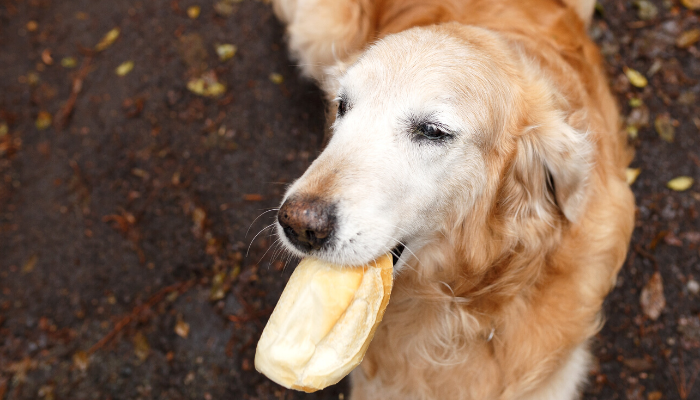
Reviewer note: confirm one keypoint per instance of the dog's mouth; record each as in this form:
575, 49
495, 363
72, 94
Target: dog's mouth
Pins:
396, 252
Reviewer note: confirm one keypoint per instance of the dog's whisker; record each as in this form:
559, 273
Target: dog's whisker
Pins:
261, 231
266, 251
256, 218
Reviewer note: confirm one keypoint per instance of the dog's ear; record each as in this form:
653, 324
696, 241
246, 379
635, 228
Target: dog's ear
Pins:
552, 165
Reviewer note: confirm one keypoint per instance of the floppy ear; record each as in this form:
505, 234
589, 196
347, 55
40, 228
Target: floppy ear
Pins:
552, 164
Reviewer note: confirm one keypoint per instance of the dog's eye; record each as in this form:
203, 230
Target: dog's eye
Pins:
342, 107
432, 131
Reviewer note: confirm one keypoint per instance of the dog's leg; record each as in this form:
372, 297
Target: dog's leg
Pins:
324, 32
566, 383
584, 9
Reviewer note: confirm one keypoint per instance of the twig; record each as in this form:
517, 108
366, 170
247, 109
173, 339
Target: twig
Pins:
683, 385
181, 288
646, 255
67, 110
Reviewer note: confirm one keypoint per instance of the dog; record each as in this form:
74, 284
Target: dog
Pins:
478, 141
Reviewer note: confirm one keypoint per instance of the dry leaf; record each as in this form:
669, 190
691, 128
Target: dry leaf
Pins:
182, 329
193, 12
69, 62
691, 4
655, 396
141, 346
218, 289
29, 265
199, 217
688, 38
43, 120
665, 128
276, 78
81, 360
226, 51
636, 78
124, 68
652, 297
109, 38
680, 183
632, 174
46, 57
207, 85
636, 102
646, 10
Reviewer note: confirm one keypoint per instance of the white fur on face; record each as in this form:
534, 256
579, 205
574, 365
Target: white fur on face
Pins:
389, 183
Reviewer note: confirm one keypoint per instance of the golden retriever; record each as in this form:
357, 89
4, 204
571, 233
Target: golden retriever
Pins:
481, 137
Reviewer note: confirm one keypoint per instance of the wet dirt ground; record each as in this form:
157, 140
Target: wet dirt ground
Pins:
130, 261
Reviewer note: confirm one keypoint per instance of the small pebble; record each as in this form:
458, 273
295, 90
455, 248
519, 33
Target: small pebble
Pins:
693, 286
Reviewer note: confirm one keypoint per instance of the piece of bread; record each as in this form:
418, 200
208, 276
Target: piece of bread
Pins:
323, 323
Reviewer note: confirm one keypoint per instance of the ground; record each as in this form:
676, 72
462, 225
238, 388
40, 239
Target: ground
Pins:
130, 261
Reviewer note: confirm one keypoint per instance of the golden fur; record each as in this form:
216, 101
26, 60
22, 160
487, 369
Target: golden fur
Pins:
507, 292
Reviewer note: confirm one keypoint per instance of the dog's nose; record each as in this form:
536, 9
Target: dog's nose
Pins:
307, 222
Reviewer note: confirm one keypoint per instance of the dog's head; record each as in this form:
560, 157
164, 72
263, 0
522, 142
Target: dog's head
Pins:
434, 126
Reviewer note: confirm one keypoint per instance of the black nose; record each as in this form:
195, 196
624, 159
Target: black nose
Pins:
308, 222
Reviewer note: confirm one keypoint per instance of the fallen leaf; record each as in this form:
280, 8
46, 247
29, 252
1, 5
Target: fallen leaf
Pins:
193, 11
665, 128
691, 4
19, 369
46, 392
632, 174
686, 98
638, 364
124, 68
182, 329
46, 57
225, 7
141, 346
43, 120
226, 51
276, 78
81, 360
199, 217
636, 102
207, 85
69, 62
652, 297
252, 197
692, 237
689, 328
636, 78
655, 396
108, 39
29, 265
646, 10
140, 173
688, 38
218, 289
672, 240
680, 183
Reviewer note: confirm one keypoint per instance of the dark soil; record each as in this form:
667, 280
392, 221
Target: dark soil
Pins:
128, 268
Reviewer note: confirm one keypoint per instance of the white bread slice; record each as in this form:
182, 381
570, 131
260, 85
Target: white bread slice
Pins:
323, 323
